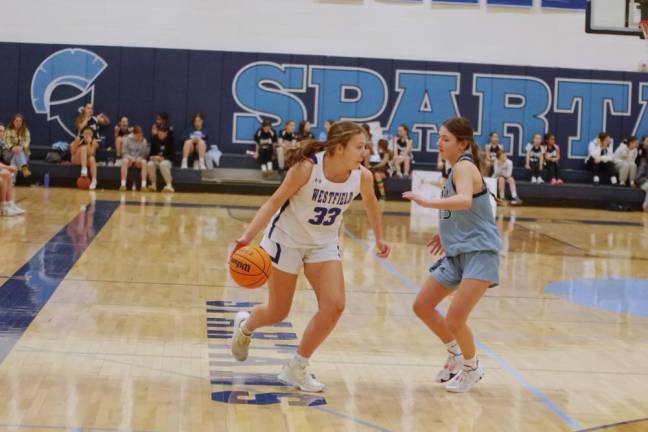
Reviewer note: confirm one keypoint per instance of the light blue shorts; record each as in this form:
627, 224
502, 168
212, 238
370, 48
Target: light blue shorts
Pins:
480, 265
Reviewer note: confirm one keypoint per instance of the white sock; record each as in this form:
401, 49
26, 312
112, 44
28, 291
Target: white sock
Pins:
244, 329
301, 361
123, 183
143, 184
514, 196
470, 364
84, 172
453, 347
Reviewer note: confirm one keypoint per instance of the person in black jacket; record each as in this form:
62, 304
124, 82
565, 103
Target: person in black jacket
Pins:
160, 158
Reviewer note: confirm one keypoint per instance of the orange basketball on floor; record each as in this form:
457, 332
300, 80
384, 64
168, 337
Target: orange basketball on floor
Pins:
250, 267
83, 182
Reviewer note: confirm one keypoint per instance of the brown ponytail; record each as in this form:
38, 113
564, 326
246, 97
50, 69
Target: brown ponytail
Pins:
461, 128
339, 133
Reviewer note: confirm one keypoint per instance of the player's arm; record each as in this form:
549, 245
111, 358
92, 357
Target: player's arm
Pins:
462, 175
373, 211
297, 177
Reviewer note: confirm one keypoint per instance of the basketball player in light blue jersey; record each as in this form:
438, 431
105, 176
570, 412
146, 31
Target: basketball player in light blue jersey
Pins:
303, 220
468, 236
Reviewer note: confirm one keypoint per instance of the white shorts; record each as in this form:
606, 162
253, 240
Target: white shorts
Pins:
291, 260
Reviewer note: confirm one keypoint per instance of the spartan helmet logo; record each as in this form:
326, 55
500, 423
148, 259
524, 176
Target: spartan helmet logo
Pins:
63, 83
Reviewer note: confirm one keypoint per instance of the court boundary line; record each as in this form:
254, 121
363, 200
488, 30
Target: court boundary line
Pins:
611, 425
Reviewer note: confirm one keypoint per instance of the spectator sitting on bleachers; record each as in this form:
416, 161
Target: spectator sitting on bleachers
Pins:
305, 131
122, 129
552, 158
8, 205
265, 139
642, 178
135, 152
287, 140
323, 135
381, 169
642, 150
503, 171
624, 161
535, 158
195, 139
402, 147
2, 143
160, 158
492, 147
16, 144
162, 120
86, 118
600, 158
83, 150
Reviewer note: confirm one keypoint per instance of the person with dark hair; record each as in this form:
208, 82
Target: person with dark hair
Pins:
265, 139
83, 150
382, 168
535, 158
323, 134
195, 139
492, 147
122, 129
136, 151
303, 221
642, 178
600, 158
160, 159
86, 118
552, 158
287, 139
624, 160
402, 151
305, 131
469, 238
16, 144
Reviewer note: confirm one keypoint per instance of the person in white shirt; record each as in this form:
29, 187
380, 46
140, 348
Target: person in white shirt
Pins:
600, 158
503, 171
624, 160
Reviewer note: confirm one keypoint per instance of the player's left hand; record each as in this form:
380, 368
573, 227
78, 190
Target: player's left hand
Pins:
409, 195
382, 249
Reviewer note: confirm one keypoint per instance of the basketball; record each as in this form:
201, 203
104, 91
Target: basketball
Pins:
83, 182
250, 267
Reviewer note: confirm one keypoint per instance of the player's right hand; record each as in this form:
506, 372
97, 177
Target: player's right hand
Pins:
240, 243
435, 246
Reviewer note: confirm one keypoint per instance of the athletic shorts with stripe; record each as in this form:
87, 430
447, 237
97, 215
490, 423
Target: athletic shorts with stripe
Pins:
291, 260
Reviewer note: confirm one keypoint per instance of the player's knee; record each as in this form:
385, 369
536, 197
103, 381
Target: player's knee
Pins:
454, 323
334, 308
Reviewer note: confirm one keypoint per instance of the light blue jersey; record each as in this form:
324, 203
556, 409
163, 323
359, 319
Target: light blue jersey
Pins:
469, 230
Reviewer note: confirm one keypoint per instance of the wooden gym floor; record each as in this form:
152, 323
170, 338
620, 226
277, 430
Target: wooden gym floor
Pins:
116, 309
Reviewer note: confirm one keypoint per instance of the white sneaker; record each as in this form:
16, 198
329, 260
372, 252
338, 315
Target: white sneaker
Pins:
184, 164
295, 375
118, 162
84, 172
168, 188
201, 165
465, 380
17, 210
452, 366
93, 184
596, 179
613, 180
8, 211
533, 180
539, 180
240, 341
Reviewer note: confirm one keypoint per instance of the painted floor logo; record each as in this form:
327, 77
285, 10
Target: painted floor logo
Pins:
240, 384
63, 83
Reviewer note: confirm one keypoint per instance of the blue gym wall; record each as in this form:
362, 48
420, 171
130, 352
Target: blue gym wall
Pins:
233, 90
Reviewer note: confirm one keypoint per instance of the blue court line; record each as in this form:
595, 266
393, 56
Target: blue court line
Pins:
573, 424
25, 293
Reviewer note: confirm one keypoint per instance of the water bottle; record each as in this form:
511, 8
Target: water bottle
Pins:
46, 180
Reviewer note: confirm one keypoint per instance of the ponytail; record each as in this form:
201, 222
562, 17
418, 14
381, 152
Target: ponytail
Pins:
302, 151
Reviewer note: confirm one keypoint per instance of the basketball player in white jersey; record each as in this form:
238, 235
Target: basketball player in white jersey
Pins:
303, 219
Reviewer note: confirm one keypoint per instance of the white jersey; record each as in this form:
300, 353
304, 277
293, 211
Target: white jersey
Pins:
313, 215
